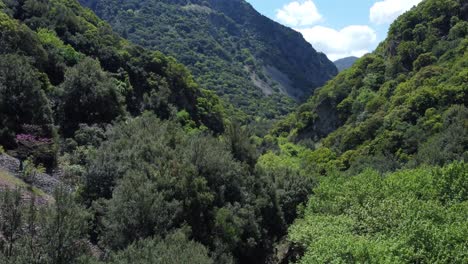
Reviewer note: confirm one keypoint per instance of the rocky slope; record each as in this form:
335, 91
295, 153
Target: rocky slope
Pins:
10, 166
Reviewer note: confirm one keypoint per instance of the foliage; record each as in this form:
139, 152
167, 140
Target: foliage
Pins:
30, 171
403, 217
401, 107
89, 96
59, 37
240, 144
164, 178
36, 143
22, 98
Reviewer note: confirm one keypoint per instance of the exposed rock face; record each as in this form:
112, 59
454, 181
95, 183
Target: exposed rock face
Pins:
9, 164
326, 121
45, 182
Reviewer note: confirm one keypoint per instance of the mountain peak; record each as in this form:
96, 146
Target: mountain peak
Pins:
345, 63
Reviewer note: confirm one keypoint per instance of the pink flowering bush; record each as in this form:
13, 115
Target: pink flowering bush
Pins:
31, 139
33, 143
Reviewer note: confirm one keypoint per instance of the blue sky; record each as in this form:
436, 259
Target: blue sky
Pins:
339, 28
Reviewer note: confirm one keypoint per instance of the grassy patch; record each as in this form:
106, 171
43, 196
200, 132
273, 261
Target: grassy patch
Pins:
10, 180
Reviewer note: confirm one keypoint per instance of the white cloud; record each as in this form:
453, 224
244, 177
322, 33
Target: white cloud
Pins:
355, 40
296, 13
384, 12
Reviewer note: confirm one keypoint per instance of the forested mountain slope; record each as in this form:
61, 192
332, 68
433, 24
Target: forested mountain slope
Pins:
404, 102
231, 49
152, 170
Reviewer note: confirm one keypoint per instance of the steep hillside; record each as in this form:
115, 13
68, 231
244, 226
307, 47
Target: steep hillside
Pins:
345, 63
243, 56
405, 103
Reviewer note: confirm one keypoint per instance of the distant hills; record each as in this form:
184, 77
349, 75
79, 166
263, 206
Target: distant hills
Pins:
254, 63
345, 63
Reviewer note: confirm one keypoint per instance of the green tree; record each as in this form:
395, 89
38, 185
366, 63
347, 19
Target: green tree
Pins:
140, 208
238, 140
90, 96
50, 233
157, 178
403, 217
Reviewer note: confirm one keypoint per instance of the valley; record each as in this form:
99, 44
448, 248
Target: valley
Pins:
176, 131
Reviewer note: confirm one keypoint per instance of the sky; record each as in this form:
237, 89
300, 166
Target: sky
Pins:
338, 28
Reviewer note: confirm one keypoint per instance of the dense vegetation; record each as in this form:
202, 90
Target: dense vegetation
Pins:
372, 169
247, 59
152, 180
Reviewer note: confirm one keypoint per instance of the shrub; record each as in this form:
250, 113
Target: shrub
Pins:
424, 60
40, 149
30, 171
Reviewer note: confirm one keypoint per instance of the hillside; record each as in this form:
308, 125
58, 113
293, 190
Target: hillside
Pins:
345, 63
405, 102
247, 59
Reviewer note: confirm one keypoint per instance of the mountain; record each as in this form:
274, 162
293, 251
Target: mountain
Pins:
252, 62
345, 63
